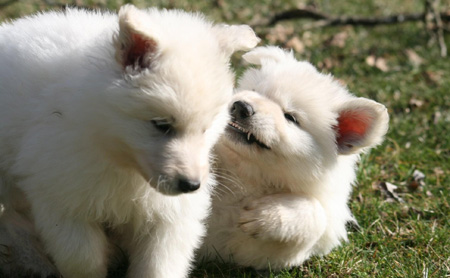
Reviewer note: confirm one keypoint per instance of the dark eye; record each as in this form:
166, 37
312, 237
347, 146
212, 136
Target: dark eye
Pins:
163, 125
291, 118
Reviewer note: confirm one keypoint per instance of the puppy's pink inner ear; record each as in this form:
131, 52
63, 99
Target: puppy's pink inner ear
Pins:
352, 129
139, 51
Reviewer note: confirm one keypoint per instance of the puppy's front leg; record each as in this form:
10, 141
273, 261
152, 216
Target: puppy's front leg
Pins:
284, 217
78, 248
166, 252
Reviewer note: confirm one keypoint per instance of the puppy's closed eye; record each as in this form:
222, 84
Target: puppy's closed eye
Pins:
163, 125
291, 118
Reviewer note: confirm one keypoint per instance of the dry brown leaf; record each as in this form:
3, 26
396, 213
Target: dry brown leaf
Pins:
339, 39
296, 44
342, 82
307, 38
414, 58
360, 198
381, 65
419, 177
279, 34
433, 77
370, 60
438, 171
413, 185
329, 63
375, 186
378, 62
416, 102
437, 116
389, 191
418, 180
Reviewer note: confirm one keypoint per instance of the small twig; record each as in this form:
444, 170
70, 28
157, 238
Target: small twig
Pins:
394, 19
327, 20
298, 13
434, 25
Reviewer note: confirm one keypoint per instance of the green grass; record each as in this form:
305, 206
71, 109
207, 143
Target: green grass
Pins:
410, 239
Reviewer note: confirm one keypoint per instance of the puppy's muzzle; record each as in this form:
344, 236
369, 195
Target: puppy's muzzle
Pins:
241, 110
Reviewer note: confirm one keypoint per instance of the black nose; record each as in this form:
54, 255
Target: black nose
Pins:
186, 186
241, 110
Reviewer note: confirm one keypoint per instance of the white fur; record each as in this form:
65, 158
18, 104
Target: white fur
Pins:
275, 208
78, 136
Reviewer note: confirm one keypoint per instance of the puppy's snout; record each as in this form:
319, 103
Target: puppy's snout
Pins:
186, 186
241, 110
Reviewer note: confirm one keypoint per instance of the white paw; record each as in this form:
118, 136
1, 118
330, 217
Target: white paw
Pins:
283, 217
260, 219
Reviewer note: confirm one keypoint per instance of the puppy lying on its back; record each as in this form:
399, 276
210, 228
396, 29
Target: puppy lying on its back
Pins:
287, 163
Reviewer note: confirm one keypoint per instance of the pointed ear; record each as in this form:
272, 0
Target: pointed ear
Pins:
267, 53
361, 123
134, 46
233, 38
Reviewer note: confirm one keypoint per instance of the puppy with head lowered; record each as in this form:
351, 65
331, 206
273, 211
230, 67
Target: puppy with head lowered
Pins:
107, 120
286, 164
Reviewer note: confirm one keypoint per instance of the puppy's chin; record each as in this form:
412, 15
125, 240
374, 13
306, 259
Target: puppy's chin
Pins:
158, 181
163, 184
168, 189
236, 152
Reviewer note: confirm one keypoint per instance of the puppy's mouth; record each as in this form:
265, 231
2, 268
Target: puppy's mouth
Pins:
244, 135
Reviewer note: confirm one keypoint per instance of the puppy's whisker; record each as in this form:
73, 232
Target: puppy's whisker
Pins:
220, 191
232, 178
226, 188
224, 179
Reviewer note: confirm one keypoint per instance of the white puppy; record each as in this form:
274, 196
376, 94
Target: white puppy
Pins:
286, 165
103, 117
